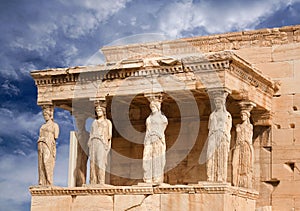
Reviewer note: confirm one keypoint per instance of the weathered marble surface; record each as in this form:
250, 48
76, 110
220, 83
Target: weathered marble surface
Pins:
99, 146
202, 196
154, 158
243, 155
219, 136
47, 147
274, 52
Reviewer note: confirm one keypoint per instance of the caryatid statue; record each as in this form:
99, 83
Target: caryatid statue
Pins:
243, 154
154, 155
99, 145
46, 144
219, 136
82, 150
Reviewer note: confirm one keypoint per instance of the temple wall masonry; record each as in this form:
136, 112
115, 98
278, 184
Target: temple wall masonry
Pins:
276, 53
258, 66
281, 63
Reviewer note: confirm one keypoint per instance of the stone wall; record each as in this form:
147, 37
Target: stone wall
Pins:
282, 63
210, 196
276, 53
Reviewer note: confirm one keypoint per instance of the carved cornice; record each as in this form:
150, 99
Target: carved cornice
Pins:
222, 188
201, 188
174, 189
253, 78
89, 190
211, 62
102, 74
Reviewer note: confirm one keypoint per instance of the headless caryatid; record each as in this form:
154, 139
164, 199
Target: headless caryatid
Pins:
99, 146
154, 157
82, 151
243, 155
47, 147
219, 126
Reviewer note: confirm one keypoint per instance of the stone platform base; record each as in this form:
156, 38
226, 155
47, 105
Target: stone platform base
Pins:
202, 196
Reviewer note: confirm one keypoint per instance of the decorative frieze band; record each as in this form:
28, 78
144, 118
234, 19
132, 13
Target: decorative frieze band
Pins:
205, 188
196, 65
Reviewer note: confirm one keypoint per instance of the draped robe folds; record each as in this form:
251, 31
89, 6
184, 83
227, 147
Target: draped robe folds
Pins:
154, 157
99, 146
218, 145
243, 156
47, 152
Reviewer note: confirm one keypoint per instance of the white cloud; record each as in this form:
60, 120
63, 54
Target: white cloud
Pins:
102, 8
41, 37
19, 123
10, 89
88, 15
70, 53
19, 172
53, 31
26, 125
77, 25
133, 21
226, 16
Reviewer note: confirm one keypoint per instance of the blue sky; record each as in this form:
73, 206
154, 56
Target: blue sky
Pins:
60, 33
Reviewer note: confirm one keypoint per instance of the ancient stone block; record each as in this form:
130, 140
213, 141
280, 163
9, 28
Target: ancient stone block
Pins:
281, 120
282, 154
283, 136
296, 69
297, 203
282, 203
51, 203
93, 203
286, 52
276, 69
283, 103
174, 201
256, 55
265, 189
132, 202
282, 172
264, 166
296, 103
289, 86
297, 171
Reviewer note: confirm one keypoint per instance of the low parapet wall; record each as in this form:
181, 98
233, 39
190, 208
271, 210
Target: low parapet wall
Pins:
202, 196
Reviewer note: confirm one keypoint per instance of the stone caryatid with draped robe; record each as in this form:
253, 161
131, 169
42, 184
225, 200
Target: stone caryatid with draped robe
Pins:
243, 155
46, 145
99, 146
154, 156
219, 126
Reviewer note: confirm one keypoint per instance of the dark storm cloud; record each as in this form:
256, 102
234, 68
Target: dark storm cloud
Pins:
40, 34
60, 33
